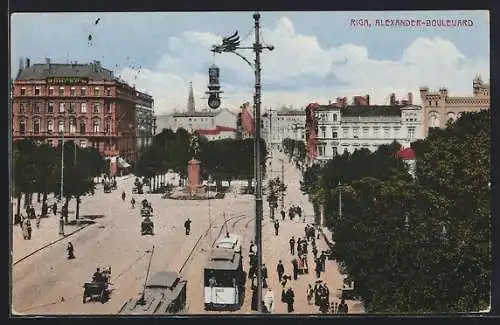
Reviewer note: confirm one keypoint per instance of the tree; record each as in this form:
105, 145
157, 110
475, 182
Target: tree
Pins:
276, 190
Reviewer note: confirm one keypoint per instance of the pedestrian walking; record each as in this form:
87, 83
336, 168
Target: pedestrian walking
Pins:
334, 307
132, 202
318, 268
309, 293
71, 251
322, 259
295, 265
292, 245
276, 227
123, 196
28, 229
299, 246
38, 218
61, 225
315, 251
280, 269
187, 226
342, 307
283, 215
264, 276
290, 299
269, 301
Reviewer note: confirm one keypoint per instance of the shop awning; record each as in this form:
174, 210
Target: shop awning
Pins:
123, 163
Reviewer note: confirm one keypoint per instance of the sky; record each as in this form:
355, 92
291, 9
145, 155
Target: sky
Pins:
317, 56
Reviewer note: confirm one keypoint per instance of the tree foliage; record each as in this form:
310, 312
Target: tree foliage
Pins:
414, 245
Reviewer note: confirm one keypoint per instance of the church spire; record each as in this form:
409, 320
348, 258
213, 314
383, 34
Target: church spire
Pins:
190, 105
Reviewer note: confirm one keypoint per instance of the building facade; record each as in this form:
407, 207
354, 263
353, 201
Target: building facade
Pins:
334, 130
197, 120
145, 122
282, 124
218, 133
80, 102
439, 108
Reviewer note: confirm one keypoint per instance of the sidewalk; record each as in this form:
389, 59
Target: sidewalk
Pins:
46, 235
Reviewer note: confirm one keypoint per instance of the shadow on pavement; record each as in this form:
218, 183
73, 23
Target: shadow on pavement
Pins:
80, 222
92, 216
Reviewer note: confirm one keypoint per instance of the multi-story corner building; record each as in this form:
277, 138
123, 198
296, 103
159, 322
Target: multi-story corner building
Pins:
282, 124
334, 129
438, 107
80, 102
145, 122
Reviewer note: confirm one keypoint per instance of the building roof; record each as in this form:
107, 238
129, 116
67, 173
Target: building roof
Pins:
218, 129
406, 154
371, 110
288, 111
195, 114
92, 71
223, 259
167, 279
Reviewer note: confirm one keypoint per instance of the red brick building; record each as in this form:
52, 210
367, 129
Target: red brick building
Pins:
85, 101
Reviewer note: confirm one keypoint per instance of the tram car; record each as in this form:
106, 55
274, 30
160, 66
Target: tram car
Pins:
165, 293
223, 280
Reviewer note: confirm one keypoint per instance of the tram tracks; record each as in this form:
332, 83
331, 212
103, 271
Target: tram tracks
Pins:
204, 235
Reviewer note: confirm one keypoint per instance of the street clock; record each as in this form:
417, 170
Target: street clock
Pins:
214, 101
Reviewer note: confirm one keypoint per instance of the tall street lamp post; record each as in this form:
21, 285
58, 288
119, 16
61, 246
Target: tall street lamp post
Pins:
62, 163
231, 44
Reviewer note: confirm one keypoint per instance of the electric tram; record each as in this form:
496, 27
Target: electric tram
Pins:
223, 280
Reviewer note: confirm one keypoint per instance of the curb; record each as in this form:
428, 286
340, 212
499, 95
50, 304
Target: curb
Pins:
51, 243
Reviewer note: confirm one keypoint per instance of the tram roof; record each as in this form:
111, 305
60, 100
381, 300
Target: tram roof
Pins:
223, 259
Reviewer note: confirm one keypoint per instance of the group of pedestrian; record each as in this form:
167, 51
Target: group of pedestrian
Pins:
309, 232
294, 211
321, 296
339, 308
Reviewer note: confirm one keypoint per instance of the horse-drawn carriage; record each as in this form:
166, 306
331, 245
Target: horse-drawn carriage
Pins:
99, 288
147, 227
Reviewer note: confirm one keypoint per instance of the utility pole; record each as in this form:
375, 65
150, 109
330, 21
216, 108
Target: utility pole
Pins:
282, 182
231, 44
258, 187
62, 163
340, 201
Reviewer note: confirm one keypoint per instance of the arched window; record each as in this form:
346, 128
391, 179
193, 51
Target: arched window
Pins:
434, 121
50, 126
96, 125
335, 117
451, 116
61, 126
36, 126
22, 126
82, 127
107, 126
72, 125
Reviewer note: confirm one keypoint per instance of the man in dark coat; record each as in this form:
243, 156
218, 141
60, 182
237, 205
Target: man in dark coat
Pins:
283, 215
276, 227
292, 245
318, 268
290, 299
280, 269
187, 226
264, 276
295, 265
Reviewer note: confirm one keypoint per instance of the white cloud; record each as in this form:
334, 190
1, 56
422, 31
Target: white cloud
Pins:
433, 62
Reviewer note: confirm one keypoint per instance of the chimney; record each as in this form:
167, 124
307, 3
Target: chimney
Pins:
329, 102
367, 99
392, 101
410, 98
27, 62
